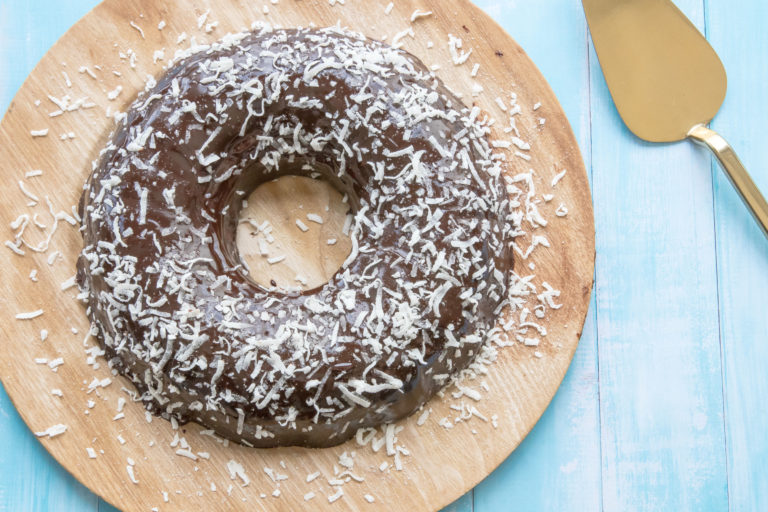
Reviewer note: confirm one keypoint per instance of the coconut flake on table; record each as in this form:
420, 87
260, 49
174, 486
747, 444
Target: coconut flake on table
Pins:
236, 470
53, 257
114, 93
29, 315
69, 283
202, 18
129, 468
419, 14
558, 177
54, 364
15, 247
186, 452
313, 217
397, 39
52, 431
137, 28
458, 56
335, 496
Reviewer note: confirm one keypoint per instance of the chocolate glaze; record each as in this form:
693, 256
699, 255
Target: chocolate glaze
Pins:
173, 306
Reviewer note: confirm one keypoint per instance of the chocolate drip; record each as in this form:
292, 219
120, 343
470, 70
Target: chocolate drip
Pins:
174, 308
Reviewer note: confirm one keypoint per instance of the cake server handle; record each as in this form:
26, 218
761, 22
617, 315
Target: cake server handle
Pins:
737, 174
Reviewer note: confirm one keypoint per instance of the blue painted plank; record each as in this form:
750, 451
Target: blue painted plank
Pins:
661, 401
463, 504
30, 480
557, 467
106, 507
27, 31
737, 32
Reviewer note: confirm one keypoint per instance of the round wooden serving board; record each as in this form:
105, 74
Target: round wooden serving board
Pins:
443, 463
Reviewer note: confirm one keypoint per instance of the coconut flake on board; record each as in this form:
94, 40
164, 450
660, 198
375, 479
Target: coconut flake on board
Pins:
387, 438
52, 431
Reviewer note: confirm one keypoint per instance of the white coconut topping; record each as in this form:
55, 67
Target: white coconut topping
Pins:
558, 177
113, 94
52, 431
458, 55
236, 471
29, 315
137, 29
335, 496
420, 14
444, 233
313, 217
131, 473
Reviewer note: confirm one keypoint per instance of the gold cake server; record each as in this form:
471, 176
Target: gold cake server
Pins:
666, 81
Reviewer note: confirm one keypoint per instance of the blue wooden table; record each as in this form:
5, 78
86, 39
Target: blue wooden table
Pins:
664, 405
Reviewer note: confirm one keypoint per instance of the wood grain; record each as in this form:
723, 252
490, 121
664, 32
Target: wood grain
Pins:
742, 252
30, 479
310, 260
443, 463
660, 384
557, 466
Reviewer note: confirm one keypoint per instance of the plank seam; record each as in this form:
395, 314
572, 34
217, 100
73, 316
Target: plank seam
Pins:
714, 169
587, 41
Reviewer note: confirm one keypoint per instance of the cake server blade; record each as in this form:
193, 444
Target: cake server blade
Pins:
666, 81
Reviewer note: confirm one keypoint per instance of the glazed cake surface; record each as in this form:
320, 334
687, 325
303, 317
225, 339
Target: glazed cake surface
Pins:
174, 307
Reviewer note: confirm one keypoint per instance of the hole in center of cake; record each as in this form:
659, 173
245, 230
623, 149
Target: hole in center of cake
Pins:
290, 233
